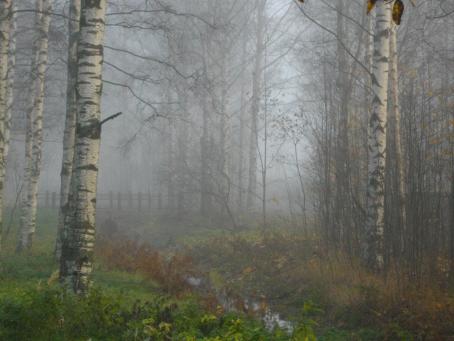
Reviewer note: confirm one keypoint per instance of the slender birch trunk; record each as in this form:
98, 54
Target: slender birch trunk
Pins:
397, 142
11, 78
5, 15
255, 109
70, 122
373, 246
76, 261
34, 129
370, 48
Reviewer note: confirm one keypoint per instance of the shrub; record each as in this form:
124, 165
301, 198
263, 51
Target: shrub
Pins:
50, 313
169, 273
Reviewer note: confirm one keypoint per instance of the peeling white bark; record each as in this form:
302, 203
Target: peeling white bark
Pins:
70, 120
5, 15
76, 262
373, 245
34, 134
11, 77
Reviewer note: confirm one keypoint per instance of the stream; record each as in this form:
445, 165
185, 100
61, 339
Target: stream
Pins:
270, 318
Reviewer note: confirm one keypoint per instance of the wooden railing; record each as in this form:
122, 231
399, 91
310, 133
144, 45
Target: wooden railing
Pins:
112, 200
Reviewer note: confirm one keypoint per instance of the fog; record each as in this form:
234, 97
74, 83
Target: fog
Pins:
277, 151
139, 66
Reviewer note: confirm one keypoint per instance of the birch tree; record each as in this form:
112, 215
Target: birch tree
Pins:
34, 133
76, 261
70, 121
5, 14
10, 79
373, 246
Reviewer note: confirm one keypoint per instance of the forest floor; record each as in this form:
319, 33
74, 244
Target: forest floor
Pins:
165, 280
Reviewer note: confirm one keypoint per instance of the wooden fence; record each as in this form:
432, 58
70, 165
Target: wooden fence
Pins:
111, 201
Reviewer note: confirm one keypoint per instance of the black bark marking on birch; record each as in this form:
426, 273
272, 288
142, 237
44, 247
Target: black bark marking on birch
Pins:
91, 131
90, 50
65, 171
96, 21
89, 167
91, 4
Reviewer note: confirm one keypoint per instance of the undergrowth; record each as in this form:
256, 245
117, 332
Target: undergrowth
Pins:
286, 270
50, 313
141, 292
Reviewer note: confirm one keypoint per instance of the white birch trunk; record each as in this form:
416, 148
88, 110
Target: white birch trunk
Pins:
373, 246
370, 45
5, 15
70, 121
76, 262
11, 78
394, 76
34, 129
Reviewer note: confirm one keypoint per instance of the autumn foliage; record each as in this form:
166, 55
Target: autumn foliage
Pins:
169, 271
288, 269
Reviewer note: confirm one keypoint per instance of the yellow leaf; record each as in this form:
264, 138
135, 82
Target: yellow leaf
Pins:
398, 11
248, 270
370, 5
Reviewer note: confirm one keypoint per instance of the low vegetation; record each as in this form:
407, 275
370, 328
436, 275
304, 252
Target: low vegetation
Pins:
287, 270
142, 292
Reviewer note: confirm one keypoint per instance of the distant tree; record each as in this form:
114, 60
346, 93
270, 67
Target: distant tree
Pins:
256, 100
70, 119
396, 143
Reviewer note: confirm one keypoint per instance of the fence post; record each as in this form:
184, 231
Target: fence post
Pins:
54, 200
47, 199
119, 200
159, 201
130, 199
139, 201
111, 200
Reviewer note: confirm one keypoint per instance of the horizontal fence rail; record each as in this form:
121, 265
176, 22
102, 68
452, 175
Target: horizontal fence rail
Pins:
112, 201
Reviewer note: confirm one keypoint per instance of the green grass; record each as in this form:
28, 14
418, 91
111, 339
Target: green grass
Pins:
129, 306
46, 229
120, 306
